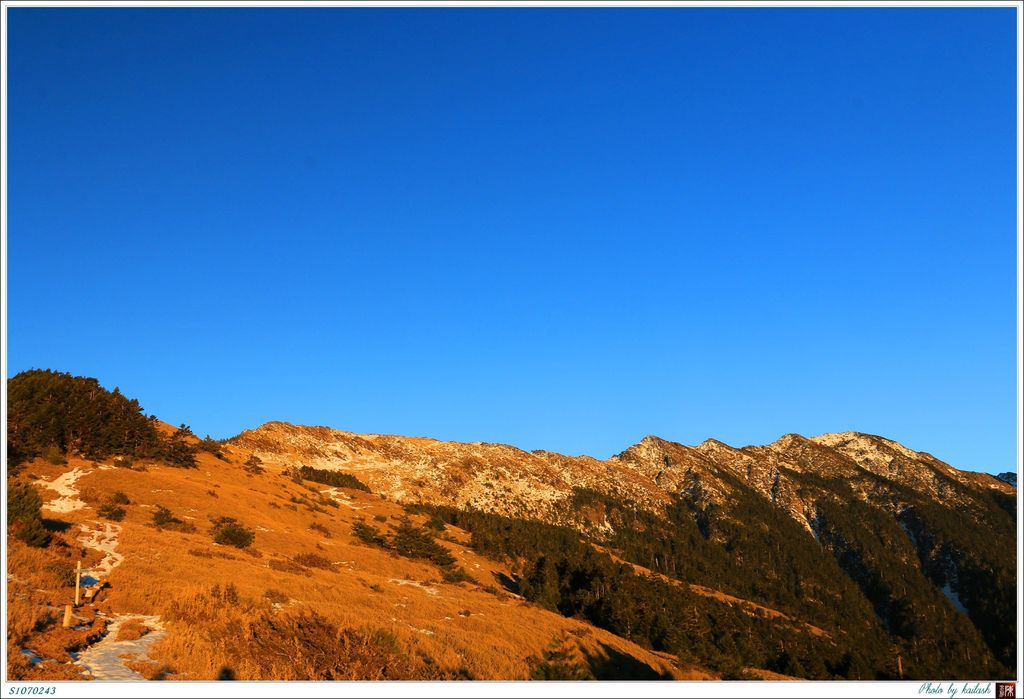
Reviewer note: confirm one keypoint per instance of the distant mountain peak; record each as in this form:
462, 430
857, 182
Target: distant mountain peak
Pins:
863, 441
1008, 477
712, 444
787, 441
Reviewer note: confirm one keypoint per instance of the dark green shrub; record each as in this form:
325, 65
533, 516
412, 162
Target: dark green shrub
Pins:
119, 498
435, 522
23, 503
413, 542
177, 452
64, 573
211, 446
276, 596
558, 664
336, 479
33, 533
227, 594
228, 531
317, 527
369, 534
52, 413
112, 512
23, 515
313, 560
286, 566
456, 574
54, 455
254, 465
163, 517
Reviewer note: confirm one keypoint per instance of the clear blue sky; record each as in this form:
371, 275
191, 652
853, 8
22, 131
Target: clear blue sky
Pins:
560, 229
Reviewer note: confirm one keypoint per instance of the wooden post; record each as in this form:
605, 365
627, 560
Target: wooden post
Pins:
899, 665
78, 584
67, 615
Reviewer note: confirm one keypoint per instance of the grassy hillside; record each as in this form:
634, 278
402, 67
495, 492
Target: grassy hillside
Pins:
305, 580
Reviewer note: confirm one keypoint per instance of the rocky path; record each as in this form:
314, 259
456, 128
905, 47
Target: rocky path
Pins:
67, 494
107, 659
104, 540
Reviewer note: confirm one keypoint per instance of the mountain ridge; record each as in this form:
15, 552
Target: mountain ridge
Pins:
653, 466
826, 438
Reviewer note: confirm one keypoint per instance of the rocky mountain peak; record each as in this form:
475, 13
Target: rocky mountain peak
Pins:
1008, 477
714, 446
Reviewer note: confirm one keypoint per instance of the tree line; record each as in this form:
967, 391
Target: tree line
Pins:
52, 412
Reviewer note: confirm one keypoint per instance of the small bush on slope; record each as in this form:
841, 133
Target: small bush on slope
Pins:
254, 465
112, 512
313, 560
369, 535
211, 446
560, 662
54, 455
321, 529
227, 530
413, 542
163, 518
64, 573
23, 515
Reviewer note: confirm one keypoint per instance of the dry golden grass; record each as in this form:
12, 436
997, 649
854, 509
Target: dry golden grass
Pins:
385, 616
35, 612
149, 669
132, 630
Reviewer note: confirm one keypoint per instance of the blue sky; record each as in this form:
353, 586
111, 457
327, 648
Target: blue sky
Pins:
556, 228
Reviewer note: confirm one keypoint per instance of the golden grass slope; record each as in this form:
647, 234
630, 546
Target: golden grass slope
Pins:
260, 614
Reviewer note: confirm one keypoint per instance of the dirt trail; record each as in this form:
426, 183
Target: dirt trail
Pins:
104, 540
64, 486
106, 659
